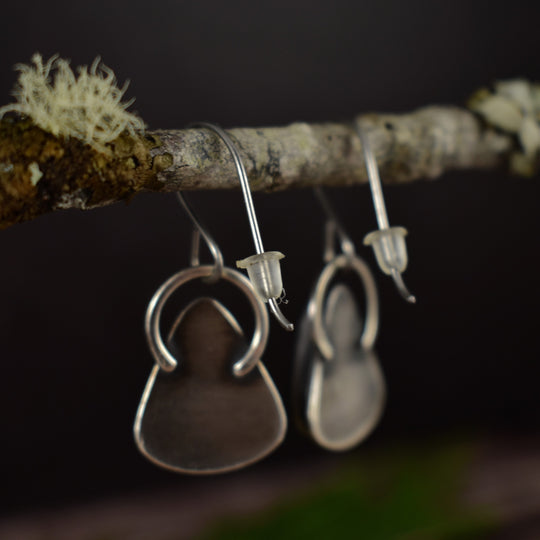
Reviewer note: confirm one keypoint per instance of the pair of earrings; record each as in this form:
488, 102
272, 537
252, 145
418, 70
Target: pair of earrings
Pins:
210, 405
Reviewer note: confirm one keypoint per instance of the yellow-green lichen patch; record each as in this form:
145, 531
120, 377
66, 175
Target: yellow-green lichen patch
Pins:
514, 108
68, 168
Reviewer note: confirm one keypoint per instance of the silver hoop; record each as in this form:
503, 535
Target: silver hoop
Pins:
371, 324
163, 357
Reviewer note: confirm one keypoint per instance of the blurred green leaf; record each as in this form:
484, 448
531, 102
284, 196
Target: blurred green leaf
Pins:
406, 495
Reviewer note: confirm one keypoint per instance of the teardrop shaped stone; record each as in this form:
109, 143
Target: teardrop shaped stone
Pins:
201, 418
344, 397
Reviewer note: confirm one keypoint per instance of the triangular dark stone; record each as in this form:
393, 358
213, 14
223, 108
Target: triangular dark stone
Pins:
201, 418
342, 398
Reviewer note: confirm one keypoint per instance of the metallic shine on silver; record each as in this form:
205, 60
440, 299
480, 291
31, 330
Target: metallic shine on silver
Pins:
198, 231
200, 418
244, 184
390, 248
340, 401
209, 405
371, 324
339, 386
164, 358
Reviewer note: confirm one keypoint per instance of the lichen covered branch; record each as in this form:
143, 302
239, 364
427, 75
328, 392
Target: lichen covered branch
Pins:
40, 172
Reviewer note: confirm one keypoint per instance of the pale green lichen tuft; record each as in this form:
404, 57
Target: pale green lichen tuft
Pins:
35, 173
514, 107
86, 105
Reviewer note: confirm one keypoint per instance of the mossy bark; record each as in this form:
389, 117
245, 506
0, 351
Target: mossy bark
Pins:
41, 173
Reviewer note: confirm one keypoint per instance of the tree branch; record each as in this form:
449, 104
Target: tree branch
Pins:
41, 173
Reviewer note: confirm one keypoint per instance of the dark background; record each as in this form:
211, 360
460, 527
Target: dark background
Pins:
74, 286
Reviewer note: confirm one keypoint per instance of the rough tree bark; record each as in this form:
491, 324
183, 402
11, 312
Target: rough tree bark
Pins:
41, 173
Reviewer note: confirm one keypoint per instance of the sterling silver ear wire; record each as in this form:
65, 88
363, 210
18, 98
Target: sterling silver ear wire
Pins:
263, 268
388, 243
198, 231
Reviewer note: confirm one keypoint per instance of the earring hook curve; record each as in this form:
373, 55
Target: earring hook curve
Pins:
199, 231
333, 227
248, 200
388, 242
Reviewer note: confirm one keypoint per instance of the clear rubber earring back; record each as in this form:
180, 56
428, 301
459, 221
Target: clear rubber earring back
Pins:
388, 243
263, 268
264, 272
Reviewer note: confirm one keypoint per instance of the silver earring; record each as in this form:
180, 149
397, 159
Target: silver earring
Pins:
209, 405
339, 386
388, 243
